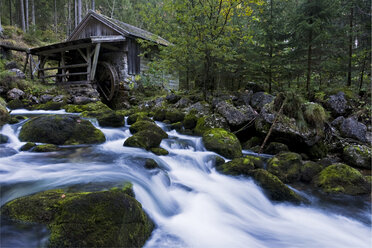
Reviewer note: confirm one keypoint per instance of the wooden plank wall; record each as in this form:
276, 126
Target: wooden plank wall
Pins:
95, 28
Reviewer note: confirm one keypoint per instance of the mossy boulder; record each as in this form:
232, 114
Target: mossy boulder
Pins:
46, 148
341, 178
151, 164
174, 115
139, 116
49, 106
241, 166
28, 146
16, 104
147, 125
87, 219
159, 114
3, 139
90, 107
222, 142
274, 188
176, 126
146, 139
358, 156
252, 142
319, 150
286, 166
309, 170
190, 120
275, 148
111, 119
61, 130
4, 115
210, 121
159, 151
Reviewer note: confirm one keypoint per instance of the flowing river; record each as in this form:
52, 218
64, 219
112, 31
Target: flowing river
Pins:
191, 203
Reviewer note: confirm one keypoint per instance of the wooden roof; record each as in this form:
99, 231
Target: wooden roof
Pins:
122, 28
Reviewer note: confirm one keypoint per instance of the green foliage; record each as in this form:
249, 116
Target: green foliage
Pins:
315, 115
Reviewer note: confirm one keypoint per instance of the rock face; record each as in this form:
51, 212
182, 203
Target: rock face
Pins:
61, 130
222, 142
259, 99
234, 116
351, 128
98, 219
337, 104
286, 166
341, 178
358, 156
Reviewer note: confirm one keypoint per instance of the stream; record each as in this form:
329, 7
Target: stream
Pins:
191, 203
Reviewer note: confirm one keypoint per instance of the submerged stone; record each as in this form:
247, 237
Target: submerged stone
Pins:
87, 219
159, 151
45, 148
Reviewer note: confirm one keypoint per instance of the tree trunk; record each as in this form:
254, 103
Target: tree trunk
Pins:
69, 17
55, 16
80, 12
350, 46
22, 10
26, 16
93, 5
112, 9
309, 54
75, 13
362, 75
10, 13
33, 13
1, 8
271, 47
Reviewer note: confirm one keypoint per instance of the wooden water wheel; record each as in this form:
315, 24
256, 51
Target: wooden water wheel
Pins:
106, 79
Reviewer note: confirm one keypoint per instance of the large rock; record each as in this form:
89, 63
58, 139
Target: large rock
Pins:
18, 73
309, 170
111, 119
174, 115
274, 188
337, 104
61, 130
137, 117
15, 94
210, 121
286, 166
260, 99
222, 142
241, 166
358, 156
351, 128
275, 148
172, 98
146, 139
243, 98
147, 125
201, 108
45, 98
236, 117
4, 114
183, 103
341, 178
87, 219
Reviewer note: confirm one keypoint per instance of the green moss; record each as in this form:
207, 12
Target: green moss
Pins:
90, 107
45, 148
274, 188
201, 127
13, 120
358, 156
315, 115
174, 115
15, 104
341, 178
146, 139
319, 150
286, 166
139, 116
111, 119
49, 106
88, 219
61, 130
241, 166
222, 142
159, 114
28, 146
147, 125
275, 148
177, 126
159, 151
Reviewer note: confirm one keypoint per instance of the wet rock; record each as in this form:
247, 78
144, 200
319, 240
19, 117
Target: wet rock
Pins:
45, 148
59, 98
91, 109
341, 178
337, 104
172, 98
15, 94
338, 122
174, 115
286, 166
241, 166
211, 121
201, 108
3, 139
139, 126
254, 141
219, 161
88, 219
259, 99
183, 103
160, 114
145, 139
61, 130
236, 116
176, 126
159, 151
28, 146
309, 170
137, 117
7, 152
83, 100
18, 73
190, 120
151, 164
49, 106
358, 156
111, 119
274, 188
222, 142
351, 128
16, 104
275, 148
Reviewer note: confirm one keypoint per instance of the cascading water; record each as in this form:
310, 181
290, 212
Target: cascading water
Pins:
191, 203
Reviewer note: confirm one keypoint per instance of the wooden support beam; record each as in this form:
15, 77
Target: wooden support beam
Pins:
83, 55
15, 48
66, 74
111, 47
31, 69
65, 67
95, 60
66, 48
25, 66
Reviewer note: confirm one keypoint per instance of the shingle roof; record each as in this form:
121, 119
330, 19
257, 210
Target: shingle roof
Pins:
126, 29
